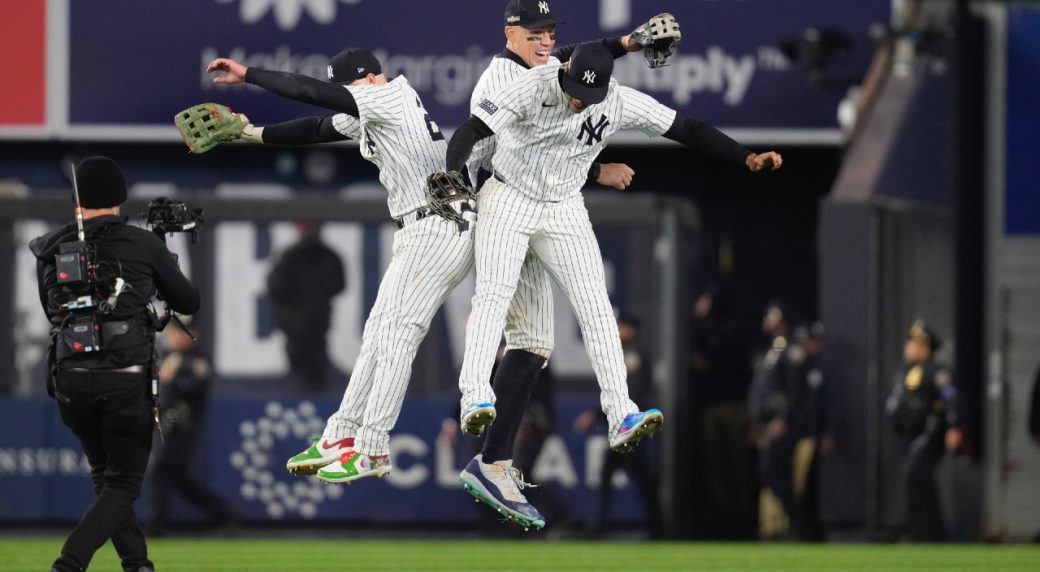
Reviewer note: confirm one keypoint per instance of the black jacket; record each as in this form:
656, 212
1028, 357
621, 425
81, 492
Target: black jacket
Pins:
142, 260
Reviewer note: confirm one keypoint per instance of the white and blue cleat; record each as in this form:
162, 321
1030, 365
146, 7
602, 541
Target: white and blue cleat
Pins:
498, 485
634, 428
476, 417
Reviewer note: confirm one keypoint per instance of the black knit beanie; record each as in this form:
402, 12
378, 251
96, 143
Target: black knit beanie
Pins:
100, 182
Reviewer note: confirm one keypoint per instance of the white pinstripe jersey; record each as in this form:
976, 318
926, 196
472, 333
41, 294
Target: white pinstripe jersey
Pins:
543, 147
498, 74
394, 131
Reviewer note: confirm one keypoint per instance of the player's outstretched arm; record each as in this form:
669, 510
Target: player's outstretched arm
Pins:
293, 86
302, 131
714, 143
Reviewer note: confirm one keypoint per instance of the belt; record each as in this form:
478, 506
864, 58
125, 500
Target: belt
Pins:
407, 218
127, 369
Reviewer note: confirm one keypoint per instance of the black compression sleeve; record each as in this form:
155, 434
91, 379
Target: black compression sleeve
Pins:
594, 171
303, 131
563, 53
304, 88
706, 139
462, 142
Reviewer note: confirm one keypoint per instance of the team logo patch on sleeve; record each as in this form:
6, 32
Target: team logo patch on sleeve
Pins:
487, 106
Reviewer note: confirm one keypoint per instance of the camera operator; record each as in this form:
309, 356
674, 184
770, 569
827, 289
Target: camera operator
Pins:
104, 390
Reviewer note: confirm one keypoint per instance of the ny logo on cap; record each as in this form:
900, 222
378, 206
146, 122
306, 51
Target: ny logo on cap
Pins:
330, 71
589, 77
361, 70
543, 7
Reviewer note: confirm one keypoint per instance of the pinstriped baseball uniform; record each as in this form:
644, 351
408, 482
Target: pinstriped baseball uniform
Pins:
534, 203
430, 258
529, 321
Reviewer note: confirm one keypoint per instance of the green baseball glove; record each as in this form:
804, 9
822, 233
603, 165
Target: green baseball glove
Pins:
206, 125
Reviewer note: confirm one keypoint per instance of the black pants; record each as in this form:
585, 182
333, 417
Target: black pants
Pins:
172, 474
111, 415
638, 466
924, 518
306, 349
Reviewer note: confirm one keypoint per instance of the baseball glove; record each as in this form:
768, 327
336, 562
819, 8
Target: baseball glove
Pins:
659, 37
443, 190
206, 125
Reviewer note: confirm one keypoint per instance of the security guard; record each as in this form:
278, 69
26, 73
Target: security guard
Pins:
100, 373
923, 411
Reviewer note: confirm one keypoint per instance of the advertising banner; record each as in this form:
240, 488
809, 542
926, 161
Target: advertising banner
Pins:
242, 454
730, 69
1022, 201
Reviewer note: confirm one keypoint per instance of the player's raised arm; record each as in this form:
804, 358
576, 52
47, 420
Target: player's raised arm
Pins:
288, 85
657, 37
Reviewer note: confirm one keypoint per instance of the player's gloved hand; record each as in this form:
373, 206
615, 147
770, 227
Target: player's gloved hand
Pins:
758, 161
206, 125
443, 190
658, 38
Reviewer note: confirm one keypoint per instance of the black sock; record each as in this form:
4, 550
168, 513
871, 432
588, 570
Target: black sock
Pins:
514, 380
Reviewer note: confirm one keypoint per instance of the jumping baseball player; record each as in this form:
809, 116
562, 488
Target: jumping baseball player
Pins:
530, 39
550, 122
430, 255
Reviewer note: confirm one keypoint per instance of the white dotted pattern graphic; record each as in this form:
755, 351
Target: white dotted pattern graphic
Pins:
264, 478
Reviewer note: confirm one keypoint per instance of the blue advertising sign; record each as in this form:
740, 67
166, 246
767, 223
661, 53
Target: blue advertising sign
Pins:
1022, 199
242, 456
729, 69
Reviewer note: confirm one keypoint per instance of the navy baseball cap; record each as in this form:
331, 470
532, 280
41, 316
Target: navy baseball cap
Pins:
350, 65
530, 14
588, 77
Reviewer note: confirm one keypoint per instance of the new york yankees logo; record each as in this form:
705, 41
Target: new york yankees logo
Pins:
589, 77
543, 7
330, 71
593, 131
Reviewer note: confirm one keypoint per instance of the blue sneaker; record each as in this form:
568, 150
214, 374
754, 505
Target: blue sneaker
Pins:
635, 428
476, 417
498, 485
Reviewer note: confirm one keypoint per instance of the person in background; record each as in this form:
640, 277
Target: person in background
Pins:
302, 284
796, 431
923, 412
638, 463
724, 468
185, 376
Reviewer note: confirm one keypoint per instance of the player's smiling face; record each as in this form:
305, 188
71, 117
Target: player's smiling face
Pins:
534, 46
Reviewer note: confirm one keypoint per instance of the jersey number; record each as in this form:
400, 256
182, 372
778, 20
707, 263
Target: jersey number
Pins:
435, 132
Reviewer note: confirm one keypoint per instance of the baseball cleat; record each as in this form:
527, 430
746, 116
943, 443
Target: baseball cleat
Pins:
353, 466
636, 427
476, 417
320, 453
498, 485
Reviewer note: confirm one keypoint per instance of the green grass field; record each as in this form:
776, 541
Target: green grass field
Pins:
189, 555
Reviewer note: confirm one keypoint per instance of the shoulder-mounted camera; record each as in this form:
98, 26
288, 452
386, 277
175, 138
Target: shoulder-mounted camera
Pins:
167, 216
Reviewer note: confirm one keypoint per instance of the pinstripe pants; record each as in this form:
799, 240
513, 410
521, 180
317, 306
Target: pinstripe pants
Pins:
513, 225
430, 258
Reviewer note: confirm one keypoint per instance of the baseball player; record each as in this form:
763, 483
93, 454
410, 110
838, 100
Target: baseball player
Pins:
430, 255
530, 31
550, 122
